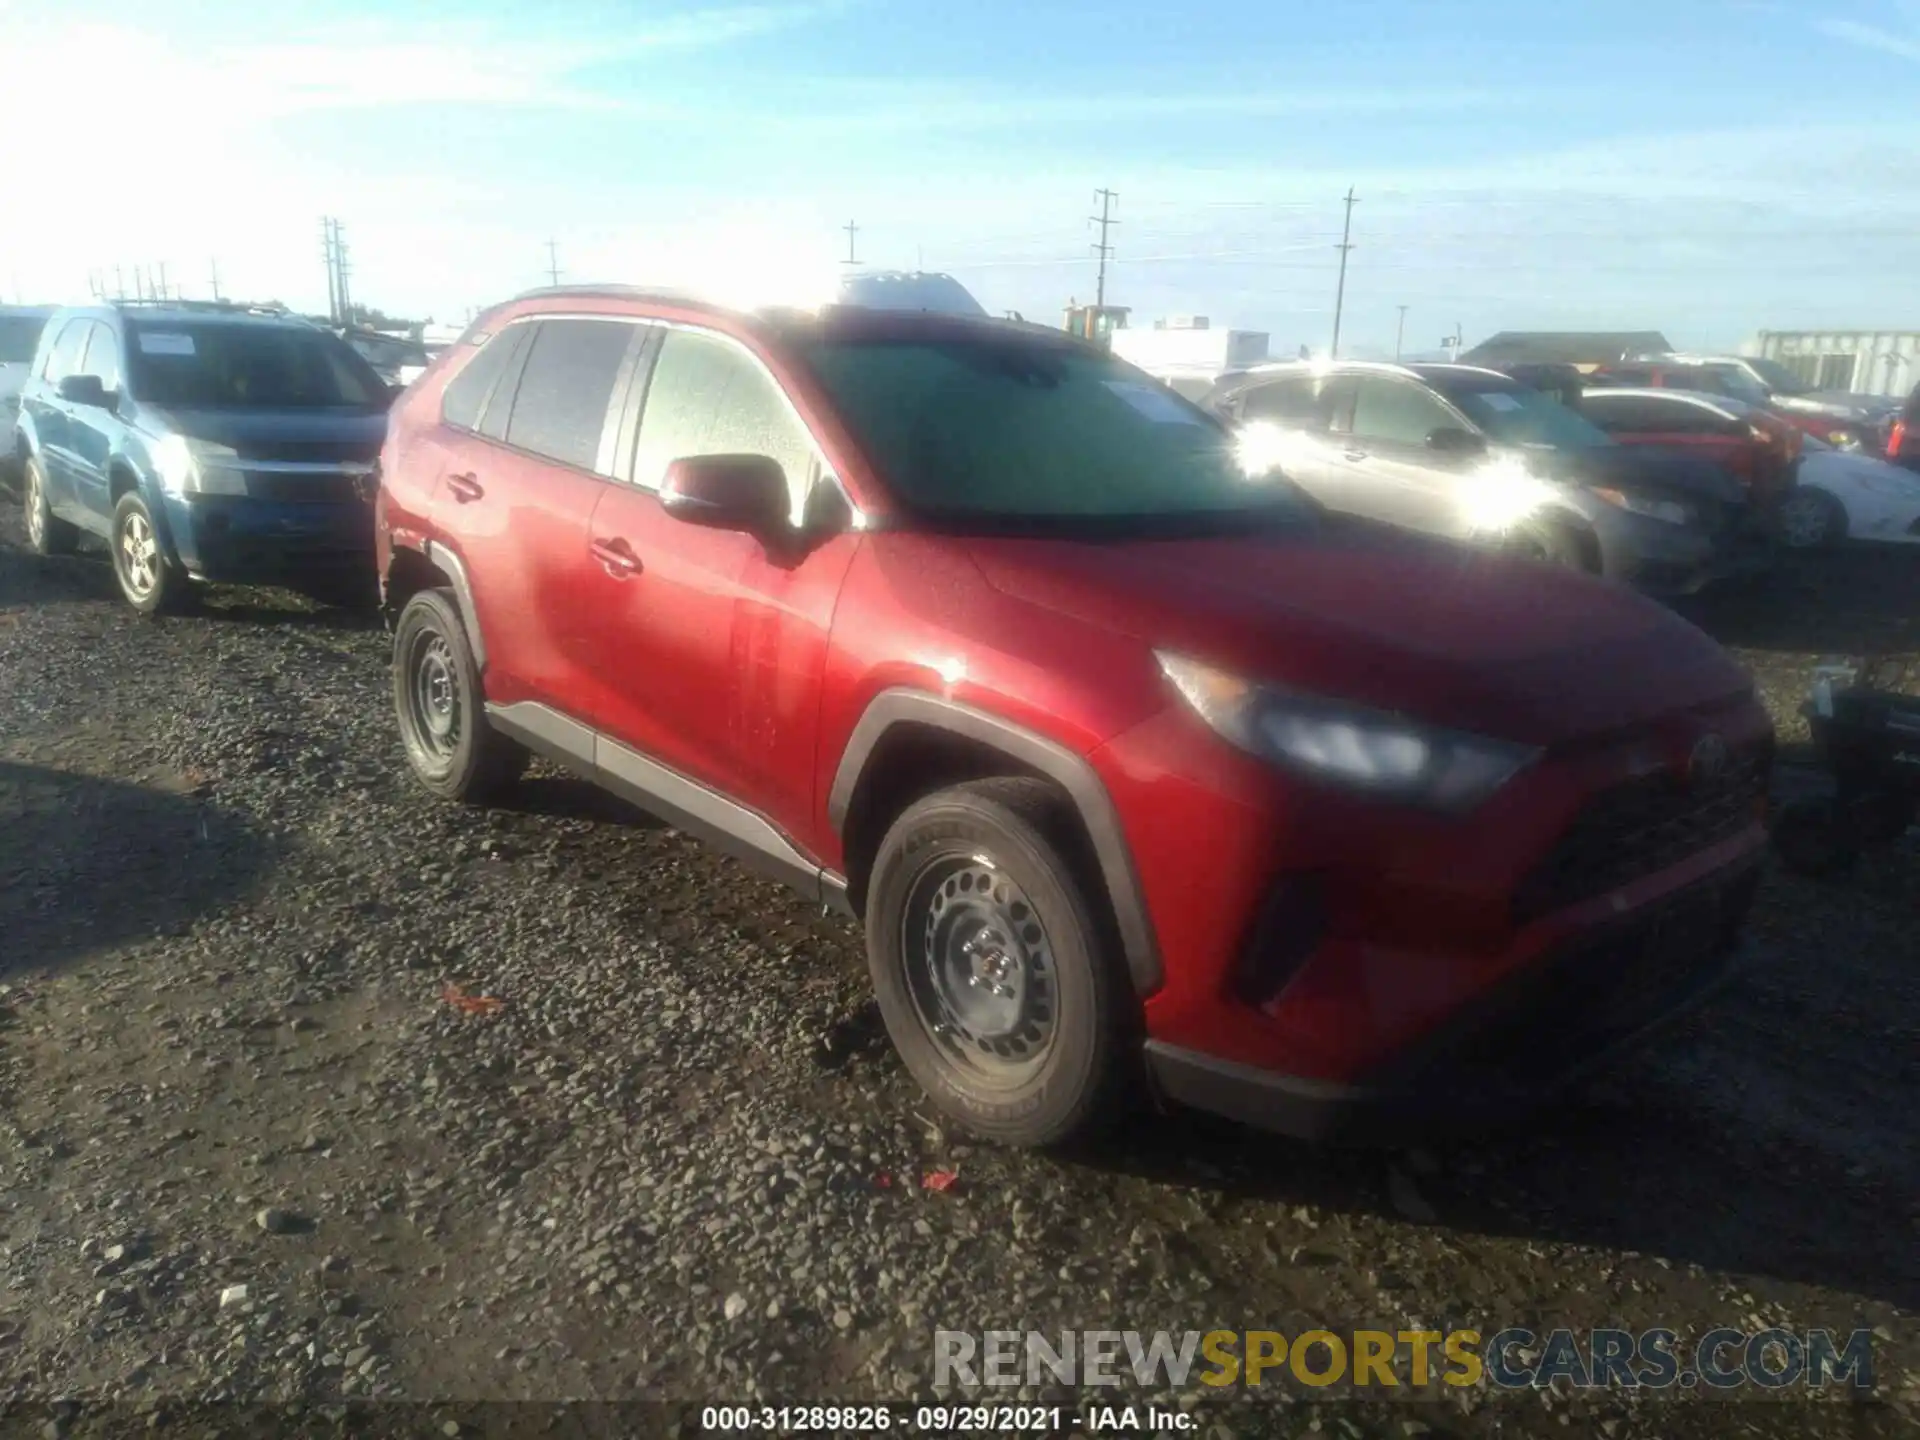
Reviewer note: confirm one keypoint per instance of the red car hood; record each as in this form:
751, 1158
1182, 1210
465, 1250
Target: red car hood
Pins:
1456, 638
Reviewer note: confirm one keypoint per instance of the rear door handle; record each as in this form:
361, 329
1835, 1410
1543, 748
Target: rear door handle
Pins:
617, 556
466, 487
1354, 454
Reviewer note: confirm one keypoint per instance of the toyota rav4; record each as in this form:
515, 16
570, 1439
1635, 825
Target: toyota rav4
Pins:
1130, 764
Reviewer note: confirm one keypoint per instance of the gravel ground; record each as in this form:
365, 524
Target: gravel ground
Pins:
253, 1149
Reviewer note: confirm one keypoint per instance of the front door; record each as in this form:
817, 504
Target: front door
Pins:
92, 429
1391, 473
49, 413
707, 646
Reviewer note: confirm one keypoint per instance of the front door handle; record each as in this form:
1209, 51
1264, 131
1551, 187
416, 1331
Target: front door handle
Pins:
466, 488
617, 556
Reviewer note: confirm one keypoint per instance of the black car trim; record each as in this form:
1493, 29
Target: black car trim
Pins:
443, 559
1071, 772
685, 803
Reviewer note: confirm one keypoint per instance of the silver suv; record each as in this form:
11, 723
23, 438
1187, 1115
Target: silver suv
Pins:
1473, 455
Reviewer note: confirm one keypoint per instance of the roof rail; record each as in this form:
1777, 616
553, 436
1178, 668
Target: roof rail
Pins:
209, 307
620, 292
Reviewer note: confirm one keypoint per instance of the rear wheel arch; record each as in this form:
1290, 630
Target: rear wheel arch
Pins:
910, 743
433, 566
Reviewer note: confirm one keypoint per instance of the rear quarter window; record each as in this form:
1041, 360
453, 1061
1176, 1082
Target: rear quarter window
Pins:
466, 395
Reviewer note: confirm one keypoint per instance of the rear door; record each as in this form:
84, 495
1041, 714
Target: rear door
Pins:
1390, 473
1292, 410
42, 404
708, 646
517, 494
1676, 422
91, 430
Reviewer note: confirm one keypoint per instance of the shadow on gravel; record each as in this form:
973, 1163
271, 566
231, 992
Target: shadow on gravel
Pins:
253, 607
568, 797
29, 579
1729, 1144
87, 863
1853, 601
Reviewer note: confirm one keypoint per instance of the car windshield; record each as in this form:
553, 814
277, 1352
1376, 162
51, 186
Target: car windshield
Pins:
1778, 378
241, 366
19, 334
1515, 415
1009, 433
1738, 383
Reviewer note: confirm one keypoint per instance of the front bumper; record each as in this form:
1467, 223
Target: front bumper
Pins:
1658, 558
1509, 1052
241, 540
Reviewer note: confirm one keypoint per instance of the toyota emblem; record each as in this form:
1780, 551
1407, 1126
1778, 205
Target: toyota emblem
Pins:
1707, 765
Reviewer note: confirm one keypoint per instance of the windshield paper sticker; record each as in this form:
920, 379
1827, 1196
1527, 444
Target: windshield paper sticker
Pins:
1499, 400
1157, 405
165, 342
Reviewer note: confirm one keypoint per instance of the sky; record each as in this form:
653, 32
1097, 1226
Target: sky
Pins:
1706, 168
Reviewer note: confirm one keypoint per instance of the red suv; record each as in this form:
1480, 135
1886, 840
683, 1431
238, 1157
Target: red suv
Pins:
1127, 759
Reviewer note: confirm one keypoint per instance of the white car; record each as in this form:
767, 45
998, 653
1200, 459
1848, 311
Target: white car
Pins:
1843, 495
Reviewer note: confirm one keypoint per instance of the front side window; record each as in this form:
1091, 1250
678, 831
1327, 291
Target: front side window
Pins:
708, 397
103, 358
560, 409
1397, 412
238, 365
991, 432
63, 358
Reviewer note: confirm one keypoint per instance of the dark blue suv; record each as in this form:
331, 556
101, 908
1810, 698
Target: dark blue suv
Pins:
208, 442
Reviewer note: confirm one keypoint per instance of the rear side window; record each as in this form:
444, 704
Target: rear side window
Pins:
64, 358
467, 392
1283, 402
560, 408
707, 397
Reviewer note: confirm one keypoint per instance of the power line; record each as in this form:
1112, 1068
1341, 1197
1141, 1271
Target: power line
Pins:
1400, 332
553, 263
213, 272
1106, 222
852, 230
1340, 291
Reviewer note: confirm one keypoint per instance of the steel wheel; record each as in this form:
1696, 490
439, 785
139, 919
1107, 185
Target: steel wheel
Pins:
36, 516
139, 556
980, 970
433, 712
1806, 520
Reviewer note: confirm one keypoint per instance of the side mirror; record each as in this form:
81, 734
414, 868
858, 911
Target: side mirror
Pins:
84, 390
727, 492
1448, 440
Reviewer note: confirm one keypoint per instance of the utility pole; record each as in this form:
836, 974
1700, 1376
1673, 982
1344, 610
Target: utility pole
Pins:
1452, 342
1400, 332
333, 281
119, 283
553, 264
1106, 222
163, 280
852, 231
213, 270
340, 262
1340, 294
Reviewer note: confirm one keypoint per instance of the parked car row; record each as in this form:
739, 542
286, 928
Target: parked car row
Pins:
1131, 758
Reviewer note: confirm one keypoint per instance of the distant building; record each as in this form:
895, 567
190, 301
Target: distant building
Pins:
1583, 348
1187, 352
1867, 362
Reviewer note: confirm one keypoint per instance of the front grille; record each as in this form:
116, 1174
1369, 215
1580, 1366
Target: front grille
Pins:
312, 452
307, 489
1641, 828
1611, 984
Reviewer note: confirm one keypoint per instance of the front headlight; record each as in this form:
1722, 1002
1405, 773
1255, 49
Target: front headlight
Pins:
1372, 751
1674, 512
187, 467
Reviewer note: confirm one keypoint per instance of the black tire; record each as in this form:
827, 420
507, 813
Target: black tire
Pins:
47, 533
1816, 838
1811, 519
1034, 1051
1883, 816
149, 579
442, 710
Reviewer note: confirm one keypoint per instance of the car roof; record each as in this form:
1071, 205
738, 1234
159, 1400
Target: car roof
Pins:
781, 324
1280, 369
1726, 404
